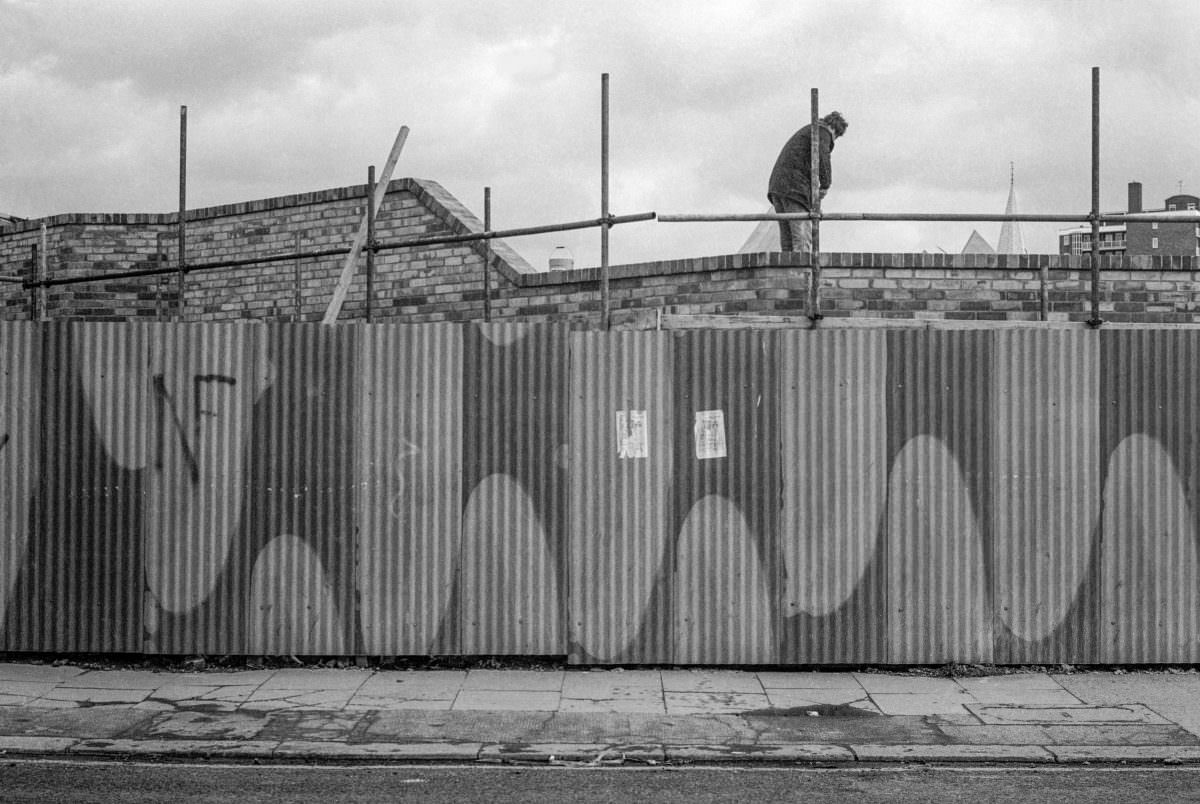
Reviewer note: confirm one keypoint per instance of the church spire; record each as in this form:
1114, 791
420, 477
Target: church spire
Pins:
1011, 241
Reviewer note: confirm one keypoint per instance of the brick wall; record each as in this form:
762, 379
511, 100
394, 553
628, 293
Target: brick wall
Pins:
444, 282
922, 286
87, 244
1163, 238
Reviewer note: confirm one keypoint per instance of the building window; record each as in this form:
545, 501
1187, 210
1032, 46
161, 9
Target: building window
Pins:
1191, 204
1154, 242
1170, 207
1154, 225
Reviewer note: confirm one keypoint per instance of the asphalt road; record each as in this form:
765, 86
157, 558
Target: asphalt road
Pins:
126, 782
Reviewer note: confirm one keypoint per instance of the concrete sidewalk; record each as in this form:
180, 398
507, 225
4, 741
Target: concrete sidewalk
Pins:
599, 717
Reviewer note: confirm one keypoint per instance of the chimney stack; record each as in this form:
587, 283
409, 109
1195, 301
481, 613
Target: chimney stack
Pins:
1135, 196
561, 259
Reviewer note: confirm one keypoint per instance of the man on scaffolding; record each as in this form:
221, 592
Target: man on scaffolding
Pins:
791, 179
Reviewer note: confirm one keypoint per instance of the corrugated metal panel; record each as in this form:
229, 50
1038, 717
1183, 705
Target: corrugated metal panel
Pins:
80, 589
299, 547
621, 475
204, 380
514, 486
939, 603
726, 498
20, 438
1045, 479
1150, 599
196, 488
410, 470
833, 392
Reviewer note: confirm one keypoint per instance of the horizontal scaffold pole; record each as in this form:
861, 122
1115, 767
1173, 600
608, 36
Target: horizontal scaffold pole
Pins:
923, 216
416, 242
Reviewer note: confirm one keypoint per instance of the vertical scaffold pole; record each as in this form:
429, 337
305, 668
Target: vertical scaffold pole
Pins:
182, 255
605, 311
35, 314
371, 244
43, 269
1095, 320
296, 315
159, 258
487, 258
814, 204
1043, 292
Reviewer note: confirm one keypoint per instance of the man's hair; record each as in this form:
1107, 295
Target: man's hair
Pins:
836, 122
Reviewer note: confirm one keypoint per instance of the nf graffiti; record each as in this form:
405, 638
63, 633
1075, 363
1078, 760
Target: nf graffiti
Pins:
169, 417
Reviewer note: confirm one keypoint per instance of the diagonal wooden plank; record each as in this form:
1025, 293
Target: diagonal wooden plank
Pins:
350, 266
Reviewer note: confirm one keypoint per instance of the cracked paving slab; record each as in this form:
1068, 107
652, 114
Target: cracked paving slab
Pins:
703, 703
800, 698
332, 725
913, 703
594, 684
1063, 715
711, 681
1105, 734
361, 703
440, 683
810, 681
426, 726
577, 728
201, 725
607, 691
648, 705
680, 729
1162, 692
317, 679
119, 680
71, 696
24, 690
1014, 683
514, 680
1033, 697
906, 729
43, 673
435, 689
564, 727
223, 698
875, 683
506, 700
272, 699
99, 721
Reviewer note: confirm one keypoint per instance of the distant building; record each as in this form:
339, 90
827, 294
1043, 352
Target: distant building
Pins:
1141, 238
1011, 241
977, 245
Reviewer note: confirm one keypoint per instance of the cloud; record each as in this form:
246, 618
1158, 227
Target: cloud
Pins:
215, 49
293, 96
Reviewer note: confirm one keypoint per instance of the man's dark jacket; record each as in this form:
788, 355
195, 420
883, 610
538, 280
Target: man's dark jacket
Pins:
791, 178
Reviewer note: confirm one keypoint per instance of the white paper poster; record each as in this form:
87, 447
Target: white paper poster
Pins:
710, 434
632, 438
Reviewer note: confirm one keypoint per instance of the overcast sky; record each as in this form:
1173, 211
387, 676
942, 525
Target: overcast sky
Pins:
287, 97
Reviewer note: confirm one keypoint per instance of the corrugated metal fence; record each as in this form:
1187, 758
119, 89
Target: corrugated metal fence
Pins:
704, 497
